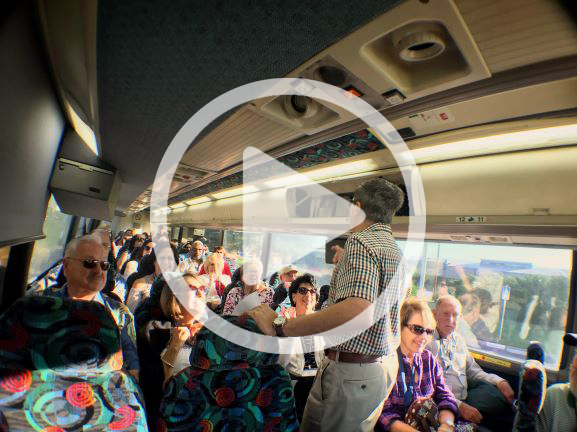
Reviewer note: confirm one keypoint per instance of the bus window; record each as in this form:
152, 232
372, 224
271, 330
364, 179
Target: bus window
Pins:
213, 237
306, 252
511, 295
50, 249
81, 229
242, 246
4, 254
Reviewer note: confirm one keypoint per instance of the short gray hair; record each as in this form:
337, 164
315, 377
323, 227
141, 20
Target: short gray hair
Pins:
72, 246
380, 199
197, 241
447, 298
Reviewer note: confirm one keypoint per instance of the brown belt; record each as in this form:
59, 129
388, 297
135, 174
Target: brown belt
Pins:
346, 357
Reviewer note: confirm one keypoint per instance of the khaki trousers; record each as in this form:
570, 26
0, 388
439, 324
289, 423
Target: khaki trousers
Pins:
349, 397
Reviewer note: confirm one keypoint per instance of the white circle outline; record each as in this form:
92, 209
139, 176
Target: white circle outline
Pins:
333, 95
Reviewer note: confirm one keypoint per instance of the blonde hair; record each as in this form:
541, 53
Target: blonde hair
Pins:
215, 259
169, 304
414, 305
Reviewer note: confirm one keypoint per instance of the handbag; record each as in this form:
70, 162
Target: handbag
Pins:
423, 415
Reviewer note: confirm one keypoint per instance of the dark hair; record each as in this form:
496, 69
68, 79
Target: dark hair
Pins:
305, 278
380, 199
323, 296
146, 266
162, 244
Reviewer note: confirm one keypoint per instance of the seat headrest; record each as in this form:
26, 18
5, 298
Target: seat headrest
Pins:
43, 332
216, 354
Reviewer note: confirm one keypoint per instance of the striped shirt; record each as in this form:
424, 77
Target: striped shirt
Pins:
372, 268
559, 410
429, 382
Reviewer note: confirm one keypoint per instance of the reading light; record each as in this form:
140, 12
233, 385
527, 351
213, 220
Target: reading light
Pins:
522, 140
242, 190
198, 200
177, 205
338, 171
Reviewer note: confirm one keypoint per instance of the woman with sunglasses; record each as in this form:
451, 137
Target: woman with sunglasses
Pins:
136, 256
420, 398
302, 366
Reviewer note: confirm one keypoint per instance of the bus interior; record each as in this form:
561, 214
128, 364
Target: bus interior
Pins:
484, 94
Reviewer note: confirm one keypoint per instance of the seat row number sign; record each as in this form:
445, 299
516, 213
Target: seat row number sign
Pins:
471, 219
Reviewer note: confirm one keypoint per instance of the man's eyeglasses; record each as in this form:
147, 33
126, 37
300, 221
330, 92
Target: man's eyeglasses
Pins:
305, 291
418, 330
91, 264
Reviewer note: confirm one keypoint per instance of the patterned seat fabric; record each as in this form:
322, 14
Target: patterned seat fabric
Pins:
229, 388
60, 369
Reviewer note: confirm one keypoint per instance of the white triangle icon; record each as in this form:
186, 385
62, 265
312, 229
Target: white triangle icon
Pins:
288, 202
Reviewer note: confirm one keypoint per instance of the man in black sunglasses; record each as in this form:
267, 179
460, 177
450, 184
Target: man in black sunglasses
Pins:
85, 265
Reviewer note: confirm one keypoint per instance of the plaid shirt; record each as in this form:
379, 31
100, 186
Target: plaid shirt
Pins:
372, 265
429, 382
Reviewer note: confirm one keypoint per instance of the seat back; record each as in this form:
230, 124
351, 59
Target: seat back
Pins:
60, 367
229, 385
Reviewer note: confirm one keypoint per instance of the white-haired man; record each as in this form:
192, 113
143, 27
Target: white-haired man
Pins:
478, 392
194, 260
85, 265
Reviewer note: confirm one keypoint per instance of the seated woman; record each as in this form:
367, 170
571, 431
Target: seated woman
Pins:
133, 263
140, 289
420, 398
251, 282
215, 280
175, 357
302, 366
222, 252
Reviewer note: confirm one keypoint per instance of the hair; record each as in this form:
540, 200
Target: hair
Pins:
197, 241
133, 241
215, 259
159, 246
169, 304
305, 278
448, 299
253, 262
485, 298
470, 302
146, 266
380, 199
73, 244
218, 249
414, 305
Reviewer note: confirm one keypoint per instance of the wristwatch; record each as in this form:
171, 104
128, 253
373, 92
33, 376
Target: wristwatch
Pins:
278, 324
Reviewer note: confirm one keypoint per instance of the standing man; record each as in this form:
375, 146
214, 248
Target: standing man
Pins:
85, 264
192, 262
356, 377
480, 395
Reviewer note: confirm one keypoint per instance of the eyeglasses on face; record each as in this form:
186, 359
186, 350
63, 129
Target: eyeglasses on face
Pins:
418, 330
90, 264
305, 291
